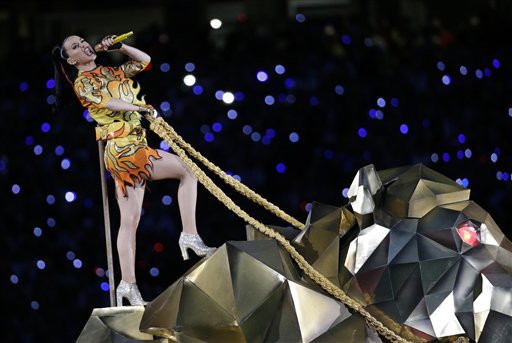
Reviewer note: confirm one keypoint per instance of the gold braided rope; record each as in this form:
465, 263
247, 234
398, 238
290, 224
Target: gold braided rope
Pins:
163, 129
231, 181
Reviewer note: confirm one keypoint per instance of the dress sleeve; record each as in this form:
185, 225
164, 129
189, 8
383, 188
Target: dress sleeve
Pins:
89, 92
132, 68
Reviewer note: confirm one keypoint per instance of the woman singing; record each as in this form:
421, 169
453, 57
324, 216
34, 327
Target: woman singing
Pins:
112, 100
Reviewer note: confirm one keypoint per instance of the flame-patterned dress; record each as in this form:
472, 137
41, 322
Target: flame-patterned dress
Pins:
127, 154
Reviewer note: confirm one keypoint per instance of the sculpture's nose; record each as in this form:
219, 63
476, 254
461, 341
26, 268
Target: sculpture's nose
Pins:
366, 184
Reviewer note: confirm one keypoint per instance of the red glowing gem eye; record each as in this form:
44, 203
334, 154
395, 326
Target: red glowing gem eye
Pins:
469, 233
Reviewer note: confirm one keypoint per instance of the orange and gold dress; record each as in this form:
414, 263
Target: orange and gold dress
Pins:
127, 154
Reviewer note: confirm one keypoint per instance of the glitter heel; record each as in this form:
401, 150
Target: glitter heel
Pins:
195, 243
130, 292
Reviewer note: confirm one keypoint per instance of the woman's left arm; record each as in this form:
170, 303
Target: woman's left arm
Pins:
134, 53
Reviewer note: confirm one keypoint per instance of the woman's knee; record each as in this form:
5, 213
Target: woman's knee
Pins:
130, 220
188, 177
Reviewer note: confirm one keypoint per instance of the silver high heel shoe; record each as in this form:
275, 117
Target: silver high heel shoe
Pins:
130, 292
194, 242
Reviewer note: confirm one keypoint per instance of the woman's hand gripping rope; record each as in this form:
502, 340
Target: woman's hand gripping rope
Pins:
148, 110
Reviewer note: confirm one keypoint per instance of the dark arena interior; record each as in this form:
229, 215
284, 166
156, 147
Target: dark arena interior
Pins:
291, 97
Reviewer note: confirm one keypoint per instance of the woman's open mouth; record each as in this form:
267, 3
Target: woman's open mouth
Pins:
88, 51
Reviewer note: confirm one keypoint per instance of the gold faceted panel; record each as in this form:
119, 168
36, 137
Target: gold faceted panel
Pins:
319, 233
115, 324
417, 190
250, 292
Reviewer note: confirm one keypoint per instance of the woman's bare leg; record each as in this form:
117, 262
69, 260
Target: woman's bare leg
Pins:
170, 166
130, 208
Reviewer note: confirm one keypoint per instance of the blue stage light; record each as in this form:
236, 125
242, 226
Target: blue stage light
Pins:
165, 67
261, 76
294, 137
255, 136
16, 189
281, 168
279, 69
166, 200
232, 114
190, 67
269, 100
24, 86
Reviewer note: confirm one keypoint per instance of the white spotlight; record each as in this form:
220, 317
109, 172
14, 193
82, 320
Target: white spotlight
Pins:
189, 80
215, 23
228, 97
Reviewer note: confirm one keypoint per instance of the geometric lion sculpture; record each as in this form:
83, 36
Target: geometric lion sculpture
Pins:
410, 246
422, 257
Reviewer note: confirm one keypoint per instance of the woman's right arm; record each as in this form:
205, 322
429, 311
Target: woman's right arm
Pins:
120, 105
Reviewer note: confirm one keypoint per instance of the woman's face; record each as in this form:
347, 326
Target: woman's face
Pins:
79, 52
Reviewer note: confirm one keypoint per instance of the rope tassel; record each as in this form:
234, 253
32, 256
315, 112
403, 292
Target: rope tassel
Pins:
167, 133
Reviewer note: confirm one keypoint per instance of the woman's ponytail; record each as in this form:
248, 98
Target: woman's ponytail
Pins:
65, 76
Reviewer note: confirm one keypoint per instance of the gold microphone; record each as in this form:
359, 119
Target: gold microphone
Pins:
99, 47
